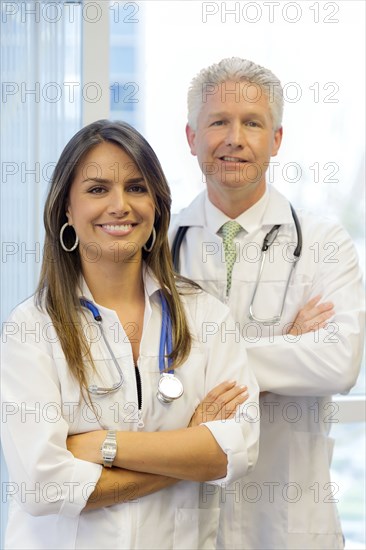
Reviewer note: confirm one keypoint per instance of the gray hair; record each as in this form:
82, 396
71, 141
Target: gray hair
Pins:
237, 70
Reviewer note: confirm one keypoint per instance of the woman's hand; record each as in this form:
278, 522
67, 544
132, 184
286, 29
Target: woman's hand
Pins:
220, 403
86, 446
312, 317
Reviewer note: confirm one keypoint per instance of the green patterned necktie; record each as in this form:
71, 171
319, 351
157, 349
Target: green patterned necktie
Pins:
229, 231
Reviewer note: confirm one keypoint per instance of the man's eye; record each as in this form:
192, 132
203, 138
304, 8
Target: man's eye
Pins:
252, 124
217, 123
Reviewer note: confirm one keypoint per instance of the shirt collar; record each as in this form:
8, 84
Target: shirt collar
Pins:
278, 210
271, 209
249, 220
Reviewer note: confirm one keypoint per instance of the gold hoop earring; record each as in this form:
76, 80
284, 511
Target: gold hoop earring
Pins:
61, 238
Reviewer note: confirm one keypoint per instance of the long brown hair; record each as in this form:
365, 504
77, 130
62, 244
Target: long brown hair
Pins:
61, 270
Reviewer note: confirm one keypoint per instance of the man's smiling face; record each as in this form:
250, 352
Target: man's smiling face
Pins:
235, 140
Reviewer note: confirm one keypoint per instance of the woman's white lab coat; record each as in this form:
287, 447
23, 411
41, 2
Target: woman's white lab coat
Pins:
288, 501
48, 487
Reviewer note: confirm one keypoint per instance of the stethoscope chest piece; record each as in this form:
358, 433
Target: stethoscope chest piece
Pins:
169, 388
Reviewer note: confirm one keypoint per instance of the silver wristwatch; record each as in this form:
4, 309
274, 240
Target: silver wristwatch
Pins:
109, 448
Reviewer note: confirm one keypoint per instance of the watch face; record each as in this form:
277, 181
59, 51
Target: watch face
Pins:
109, 450
169, 388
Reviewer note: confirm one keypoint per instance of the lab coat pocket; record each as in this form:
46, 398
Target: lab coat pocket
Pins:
311, 495
196, 529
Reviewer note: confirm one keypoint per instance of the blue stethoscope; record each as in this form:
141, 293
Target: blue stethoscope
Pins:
169, 386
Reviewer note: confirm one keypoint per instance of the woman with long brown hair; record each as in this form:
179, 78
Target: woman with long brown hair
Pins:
108, 363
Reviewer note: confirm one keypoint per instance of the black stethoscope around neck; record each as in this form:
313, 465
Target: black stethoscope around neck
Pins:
267, 242
169, 387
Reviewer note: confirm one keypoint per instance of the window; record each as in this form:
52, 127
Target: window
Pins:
348, 474
126, 55
40, 111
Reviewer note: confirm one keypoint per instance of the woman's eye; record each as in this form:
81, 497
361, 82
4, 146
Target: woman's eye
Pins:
97, 190
137, 189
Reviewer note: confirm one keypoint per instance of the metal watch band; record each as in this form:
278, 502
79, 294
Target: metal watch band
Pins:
109, 448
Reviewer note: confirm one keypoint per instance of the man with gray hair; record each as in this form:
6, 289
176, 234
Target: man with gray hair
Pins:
298, 311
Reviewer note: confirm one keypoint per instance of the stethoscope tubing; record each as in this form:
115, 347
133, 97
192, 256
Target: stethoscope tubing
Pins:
165, 350
96, 390
166, 339
268, 240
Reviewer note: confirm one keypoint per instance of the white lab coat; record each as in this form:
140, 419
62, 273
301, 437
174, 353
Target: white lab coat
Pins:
287, 502
48, 487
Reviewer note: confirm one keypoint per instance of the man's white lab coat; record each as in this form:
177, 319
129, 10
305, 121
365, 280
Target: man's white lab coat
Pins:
287, 502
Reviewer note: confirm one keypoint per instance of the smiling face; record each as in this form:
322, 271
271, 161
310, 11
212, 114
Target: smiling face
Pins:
109, 205
234, 142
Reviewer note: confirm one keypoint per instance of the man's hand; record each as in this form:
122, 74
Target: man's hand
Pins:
220, 403
312, 317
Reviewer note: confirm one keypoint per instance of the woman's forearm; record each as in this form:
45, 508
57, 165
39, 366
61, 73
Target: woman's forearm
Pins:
190, 453
116, 485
